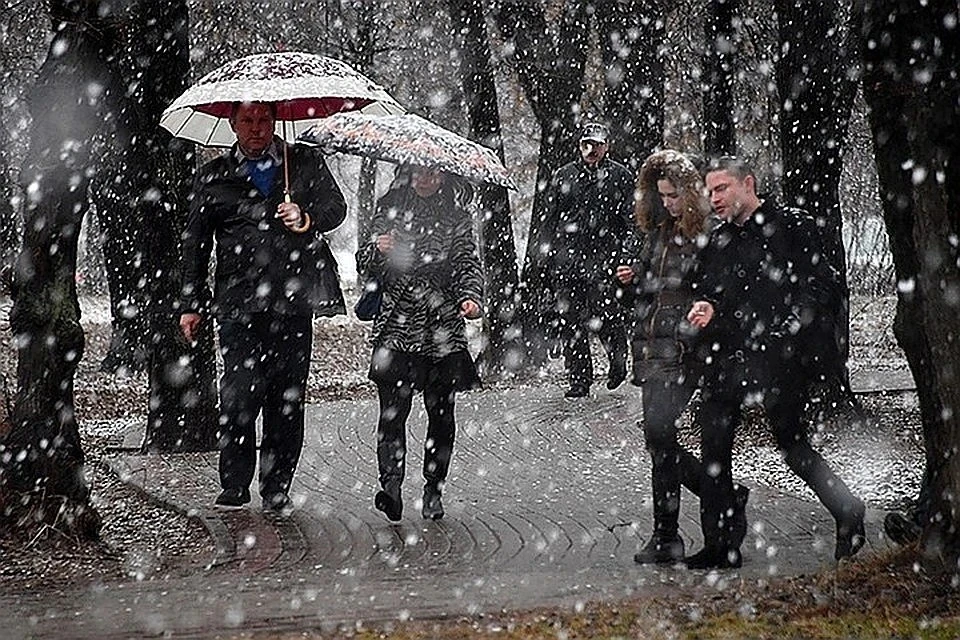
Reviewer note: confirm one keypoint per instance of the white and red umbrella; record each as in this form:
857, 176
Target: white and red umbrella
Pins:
408, 139
304, 87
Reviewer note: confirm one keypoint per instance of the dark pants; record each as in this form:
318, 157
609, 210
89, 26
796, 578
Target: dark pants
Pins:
588, 307
265, 363
663, 402
784, 398
395, 404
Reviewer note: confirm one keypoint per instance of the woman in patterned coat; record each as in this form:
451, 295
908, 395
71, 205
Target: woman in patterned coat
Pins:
662, 337
423, 253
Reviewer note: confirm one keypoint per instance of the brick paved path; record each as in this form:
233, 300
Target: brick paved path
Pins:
547, 501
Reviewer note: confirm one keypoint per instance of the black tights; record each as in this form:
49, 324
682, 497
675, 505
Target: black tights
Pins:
395, 404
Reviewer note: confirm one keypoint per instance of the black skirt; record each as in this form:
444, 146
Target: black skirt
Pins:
456, 371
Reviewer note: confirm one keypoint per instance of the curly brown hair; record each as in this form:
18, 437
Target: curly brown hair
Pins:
683, 174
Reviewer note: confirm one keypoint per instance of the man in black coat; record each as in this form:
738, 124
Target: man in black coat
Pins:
274, 272
589, 224
762, 292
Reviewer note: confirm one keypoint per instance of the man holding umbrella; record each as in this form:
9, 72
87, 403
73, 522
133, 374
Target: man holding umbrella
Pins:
274, 272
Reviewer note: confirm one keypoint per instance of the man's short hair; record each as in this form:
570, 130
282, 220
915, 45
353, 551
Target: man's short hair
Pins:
595, 132
733, 165
236, 105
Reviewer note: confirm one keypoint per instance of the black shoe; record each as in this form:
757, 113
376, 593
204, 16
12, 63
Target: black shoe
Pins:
738, 524
661, 551
388, 500
279, 503
577, 391
715, 558
232, 498
616, 376
850, 533
432, 506
901, 530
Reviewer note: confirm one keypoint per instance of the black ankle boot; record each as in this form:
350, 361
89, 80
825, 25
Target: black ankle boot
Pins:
715, 558
432, 505
661, 550
388, 500
850, 533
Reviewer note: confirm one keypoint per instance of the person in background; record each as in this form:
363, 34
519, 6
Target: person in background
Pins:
423, 253
589, 226
664, 344
274, 272
762, 289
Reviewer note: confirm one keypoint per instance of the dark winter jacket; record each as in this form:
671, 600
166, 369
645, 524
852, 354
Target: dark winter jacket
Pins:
433, 268
663, 296
772, 290
589, 222
262, 265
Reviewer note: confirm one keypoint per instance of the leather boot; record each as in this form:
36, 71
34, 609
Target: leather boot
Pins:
850, 533
389, 501
432, 506
661, 549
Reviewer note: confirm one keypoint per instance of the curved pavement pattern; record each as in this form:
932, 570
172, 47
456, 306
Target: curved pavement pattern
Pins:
547, 501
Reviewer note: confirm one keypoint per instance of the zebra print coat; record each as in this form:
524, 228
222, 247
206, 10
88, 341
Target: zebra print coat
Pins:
432, 269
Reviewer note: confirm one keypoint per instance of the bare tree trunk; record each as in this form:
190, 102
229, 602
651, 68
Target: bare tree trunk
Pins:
722, 41
911, 54
41, 466
551, 74
503, 350
124, 242
816, 96
632, 34
182, 409
9, 225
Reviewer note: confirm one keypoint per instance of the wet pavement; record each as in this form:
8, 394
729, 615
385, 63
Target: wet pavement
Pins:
547, 501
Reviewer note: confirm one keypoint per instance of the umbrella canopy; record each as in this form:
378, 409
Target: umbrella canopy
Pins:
408, 139
304, 88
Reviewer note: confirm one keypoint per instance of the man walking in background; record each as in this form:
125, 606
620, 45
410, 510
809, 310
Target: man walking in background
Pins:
589, 224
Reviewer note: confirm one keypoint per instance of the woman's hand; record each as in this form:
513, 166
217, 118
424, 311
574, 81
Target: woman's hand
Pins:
701, 313
385, 243
625, 274
470, 310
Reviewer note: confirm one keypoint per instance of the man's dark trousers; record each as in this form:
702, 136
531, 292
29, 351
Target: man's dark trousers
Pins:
782, 389
266, 358
587, 307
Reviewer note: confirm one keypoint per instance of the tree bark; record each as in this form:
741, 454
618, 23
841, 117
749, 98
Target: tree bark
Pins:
722, 41
911, 54
632, 34
182, 409
503, 349
41, 466
816, 91
551, 73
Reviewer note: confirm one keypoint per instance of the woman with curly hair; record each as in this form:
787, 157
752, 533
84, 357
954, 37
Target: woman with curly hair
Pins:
663, 341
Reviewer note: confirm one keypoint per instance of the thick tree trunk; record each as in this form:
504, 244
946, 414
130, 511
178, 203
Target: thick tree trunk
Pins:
816, 96
911, 54
9, 225
182, 409
722, 40
503, 350
41, 466
551, 74
123, 244
632, 34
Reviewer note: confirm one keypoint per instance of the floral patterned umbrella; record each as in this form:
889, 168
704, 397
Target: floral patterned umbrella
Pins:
408, 139
303, 86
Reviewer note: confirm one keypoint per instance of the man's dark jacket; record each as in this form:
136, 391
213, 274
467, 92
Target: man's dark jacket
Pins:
261, 264
773, 293
589, 221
